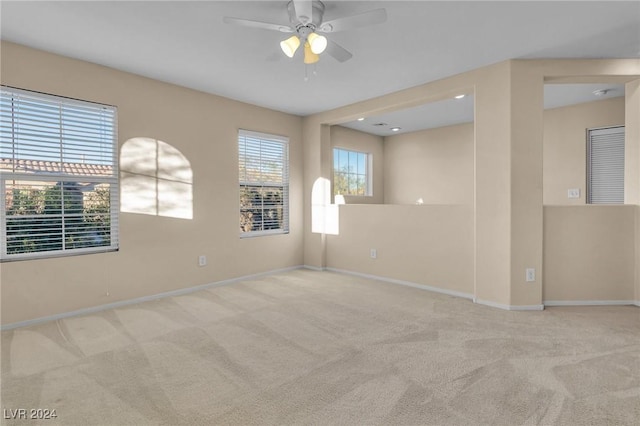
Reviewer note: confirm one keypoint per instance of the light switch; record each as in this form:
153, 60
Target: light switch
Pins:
573, 193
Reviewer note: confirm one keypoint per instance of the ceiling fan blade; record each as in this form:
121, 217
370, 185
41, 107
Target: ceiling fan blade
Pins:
371, 17
338, 52
257, 24
304, 11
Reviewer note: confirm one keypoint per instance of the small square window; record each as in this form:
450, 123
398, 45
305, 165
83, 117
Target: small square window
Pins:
351, 172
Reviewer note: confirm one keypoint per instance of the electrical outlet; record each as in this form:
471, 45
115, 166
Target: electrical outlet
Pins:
573, 193
202, 260
530, 275
373, 253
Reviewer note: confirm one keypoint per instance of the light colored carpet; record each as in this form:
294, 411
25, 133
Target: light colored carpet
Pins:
307, 347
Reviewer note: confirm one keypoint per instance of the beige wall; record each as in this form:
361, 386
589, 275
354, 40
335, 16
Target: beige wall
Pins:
565, 145
435, 165
632, 164
508, 163
589, 253
632, 143
343, 137
637, 258
157, 254
428, 245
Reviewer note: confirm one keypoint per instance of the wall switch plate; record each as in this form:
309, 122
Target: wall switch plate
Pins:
530, 275
202, 260
573, 193
373, 253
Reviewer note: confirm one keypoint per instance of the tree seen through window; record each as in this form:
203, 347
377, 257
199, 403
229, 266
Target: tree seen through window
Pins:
350, 172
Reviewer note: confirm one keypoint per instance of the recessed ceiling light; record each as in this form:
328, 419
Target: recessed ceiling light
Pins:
361, 119
395, 129
460, 96
601, 92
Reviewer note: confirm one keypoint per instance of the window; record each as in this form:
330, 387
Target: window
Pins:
351, 172
58, 176
264, 184
605, 165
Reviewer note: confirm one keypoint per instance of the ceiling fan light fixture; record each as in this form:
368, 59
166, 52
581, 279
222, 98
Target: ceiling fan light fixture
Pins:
290, 45
309, 56
317, 42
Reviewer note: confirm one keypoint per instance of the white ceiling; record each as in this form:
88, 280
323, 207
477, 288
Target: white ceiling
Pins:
455, 111
186, 43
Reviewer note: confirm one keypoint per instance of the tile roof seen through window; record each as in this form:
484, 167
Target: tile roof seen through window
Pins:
39, 166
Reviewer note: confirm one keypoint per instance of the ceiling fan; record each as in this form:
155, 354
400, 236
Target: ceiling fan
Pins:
306, 18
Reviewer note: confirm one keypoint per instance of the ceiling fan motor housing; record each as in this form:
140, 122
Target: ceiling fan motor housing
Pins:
313, 22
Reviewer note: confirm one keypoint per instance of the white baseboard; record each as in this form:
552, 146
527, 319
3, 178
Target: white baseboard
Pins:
405, 283
313, 268
509, 307
637, 303
122, 303
454, 293
590, 302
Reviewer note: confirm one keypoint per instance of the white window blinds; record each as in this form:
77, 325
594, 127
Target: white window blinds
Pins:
605, 166
264, 183
58, 176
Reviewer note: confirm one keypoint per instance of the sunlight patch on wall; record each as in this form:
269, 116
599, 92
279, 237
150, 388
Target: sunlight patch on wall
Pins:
156, 179
325, 217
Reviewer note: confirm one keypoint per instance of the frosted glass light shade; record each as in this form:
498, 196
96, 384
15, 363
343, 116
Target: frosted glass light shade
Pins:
290, 45
318, 43
309, 56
